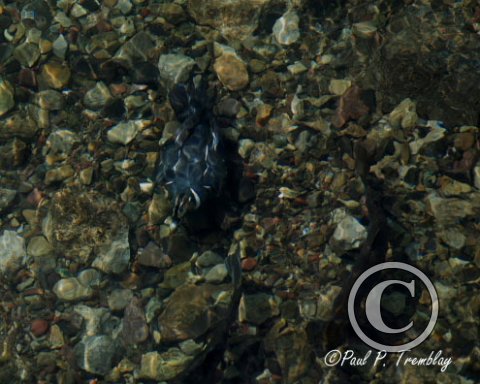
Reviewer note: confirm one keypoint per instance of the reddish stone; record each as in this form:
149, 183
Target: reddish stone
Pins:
39, 327
350, 107
249, 263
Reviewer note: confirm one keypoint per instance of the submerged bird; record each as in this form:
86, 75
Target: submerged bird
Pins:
192, 166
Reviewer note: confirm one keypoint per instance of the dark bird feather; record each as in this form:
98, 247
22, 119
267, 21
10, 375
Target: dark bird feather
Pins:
192, 166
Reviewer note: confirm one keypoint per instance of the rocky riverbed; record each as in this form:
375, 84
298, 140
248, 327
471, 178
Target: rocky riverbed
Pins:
351, 130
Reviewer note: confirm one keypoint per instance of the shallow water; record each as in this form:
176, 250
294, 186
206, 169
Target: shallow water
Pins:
333, 137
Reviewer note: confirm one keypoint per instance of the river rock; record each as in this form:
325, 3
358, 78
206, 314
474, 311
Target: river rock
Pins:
114, 257
258, 307
190, 311
119, 299
6, 198
231, 69
73, 228
124, 132
56, 75
164, 366
7, 100
349, 234
94, 354
286, 29
235, 19
27, 54
70, 289
175, 68
12, 252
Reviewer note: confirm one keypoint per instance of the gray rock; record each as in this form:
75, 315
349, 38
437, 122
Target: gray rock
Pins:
208, 259
258, 308
27, 54
176, 275
50, 100
60, 47
164, 366
124, 6
192, 310
95, 318
175, 68
62, 141
160, 207
454, 237
235, 19
59, 174
94, 354
136, 49
90, 278
39, 246
217, 274
12, 252
18, 124
135, 328
124, 132
153, 256
291, 346
36, 13
78, 11
152, 309
98, 96
118, 299
114, 257
448, 210
286, 29
70, 289
349, 234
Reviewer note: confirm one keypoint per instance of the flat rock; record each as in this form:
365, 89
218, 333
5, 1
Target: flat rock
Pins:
12, 252
124, 132
7, 100
286, 29
231, 70
6, 198
175, 68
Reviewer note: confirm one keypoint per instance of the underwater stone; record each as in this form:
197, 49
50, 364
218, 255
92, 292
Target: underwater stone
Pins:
235, 19
175, 68
27, 54
286, 30
98, 96
124, 132
56, 75
349, 234
12, 252
165, 366
7, 100
114, 257
231, 69
94, 354
70, 289
6, 198
258, 307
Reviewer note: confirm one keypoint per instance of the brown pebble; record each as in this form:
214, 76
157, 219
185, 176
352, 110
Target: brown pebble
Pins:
264, 112
249, 263
464, 140
231, 71
350, 107
39, 327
